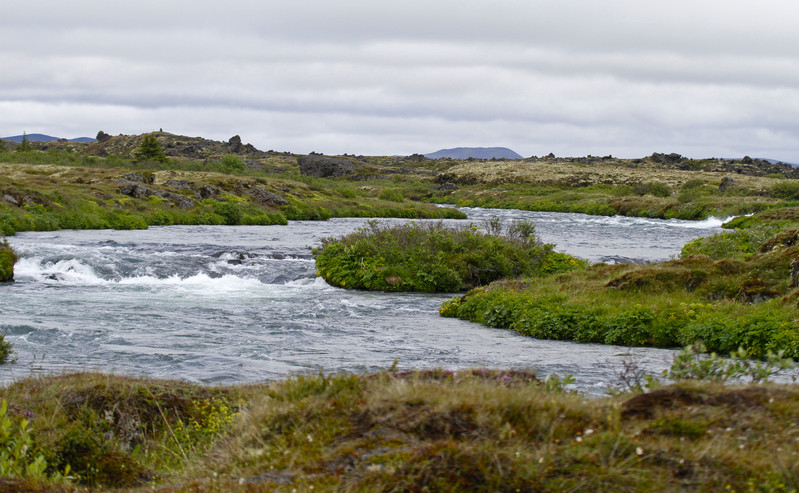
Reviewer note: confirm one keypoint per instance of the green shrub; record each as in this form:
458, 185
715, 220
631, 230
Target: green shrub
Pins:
788, 190
150, 150
7, 260
391, 194
17, 456
740, 243
655, 188
231, 164
431, 257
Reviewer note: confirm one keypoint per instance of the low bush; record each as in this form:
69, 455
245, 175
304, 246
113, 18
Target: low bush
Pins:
431, 257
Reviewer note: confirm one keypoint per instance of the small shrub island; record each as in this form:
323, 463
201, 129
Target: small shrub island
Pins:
7, 260
431, 257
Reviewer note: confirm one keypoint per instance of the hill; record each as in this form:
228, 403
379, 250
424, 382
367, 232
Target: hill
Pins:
474, 152
46, 138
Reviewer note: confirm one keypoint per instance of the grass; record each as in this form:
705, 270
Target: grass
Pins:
431, 257
432, 430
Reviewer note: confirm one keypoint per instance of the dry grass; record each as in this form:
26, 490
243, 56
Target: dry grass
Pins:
576, 174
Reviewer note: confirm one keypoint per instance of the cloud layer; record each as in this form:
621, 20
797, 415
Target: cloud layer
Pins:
570, 77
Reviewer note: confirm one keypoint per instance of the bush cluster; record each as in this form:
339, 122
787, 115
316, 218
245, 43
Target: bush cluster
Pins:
431, 257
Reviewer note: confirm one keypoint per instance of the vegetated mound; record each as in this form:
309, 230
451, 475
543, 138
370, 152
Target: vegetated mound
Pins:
474, 153
436, 430
431, 257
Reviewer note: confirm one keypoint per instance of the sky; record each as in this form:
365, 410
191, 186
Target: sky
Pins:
618, 77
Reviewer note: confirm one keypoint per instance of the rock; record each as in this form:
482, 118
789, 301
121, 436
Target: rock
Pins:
140, 192
727, 183
417, 158
208, 191
138, 178
324, 166
11, 200
268, 198
447, 187
179, 184
670, 158
747, 160
235, 144
755, 291
102, 136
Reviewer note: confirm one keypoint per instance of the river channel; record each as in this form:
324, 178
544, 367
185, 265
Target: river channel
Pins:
235, 304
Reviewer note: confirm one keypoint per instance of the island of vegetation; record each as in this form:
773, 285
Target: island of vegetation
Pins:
697, 427
7, 260
434, 258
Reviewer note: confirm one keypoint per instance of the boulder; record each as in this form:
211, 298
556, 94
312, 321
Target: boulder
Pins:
325, 166
727, 183
268, 198
234, 144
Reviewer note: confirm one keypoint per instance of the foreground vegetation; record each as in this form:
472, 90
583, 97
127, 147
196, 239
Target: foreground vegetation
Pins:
435, 258
434, 430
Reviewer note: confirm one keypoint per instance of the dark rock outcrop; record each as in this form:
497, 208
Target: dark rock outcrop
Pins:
138, 191
325, 166
266, 197
727, 183
102, 136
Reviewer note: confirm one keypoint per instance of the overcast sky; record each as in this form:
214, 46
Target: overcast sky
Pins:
702, 78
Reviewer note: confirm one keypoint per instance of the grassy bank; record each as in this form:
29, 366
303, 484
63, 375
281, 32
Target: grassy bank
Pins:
476, 430
42, 197
73, 185
435, 258
737, 289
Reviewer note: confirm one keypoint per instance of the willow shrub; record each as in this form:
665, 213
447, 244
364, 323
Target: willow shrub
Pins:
431, 257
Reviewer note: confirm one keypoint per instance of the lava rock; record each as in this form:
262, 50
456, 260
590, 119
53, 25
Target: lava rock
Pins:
324, 166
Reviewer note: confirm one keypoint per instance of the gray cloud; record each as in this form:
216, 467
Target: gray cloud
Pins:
571, 77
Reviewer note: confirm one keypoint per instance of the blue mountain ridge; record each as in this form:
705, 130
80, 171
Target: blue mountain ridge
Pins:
474, 152
46, 138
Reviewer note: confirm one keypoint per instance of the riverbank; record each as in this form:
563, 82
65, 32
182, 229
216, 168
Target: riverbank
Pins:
472, 430
733, 290
107, 184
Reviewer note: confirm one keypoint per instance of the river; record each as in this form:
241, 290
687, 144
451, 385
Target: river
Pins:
235, 304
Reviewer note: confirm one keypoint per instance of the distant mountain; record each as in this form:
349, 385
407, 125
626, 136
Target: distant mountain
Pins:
45, 138
474, 152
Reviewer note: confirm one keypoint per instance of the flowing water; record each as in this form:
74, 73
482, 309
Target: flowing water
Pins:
232, 304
